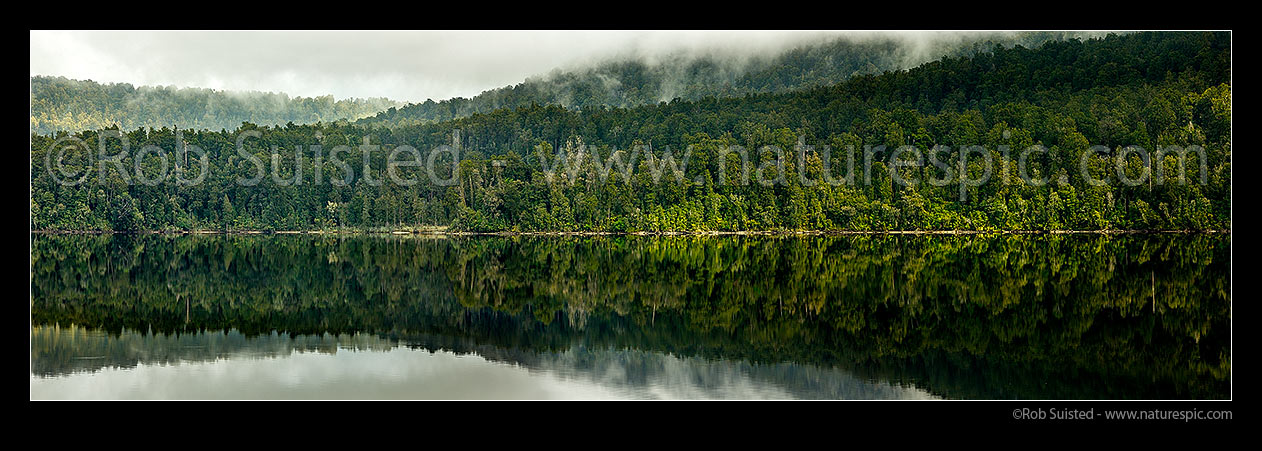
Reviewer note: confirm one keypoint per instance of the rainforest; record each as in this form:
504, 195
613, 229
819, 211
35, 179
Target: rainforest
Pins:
632, 215
1102, 110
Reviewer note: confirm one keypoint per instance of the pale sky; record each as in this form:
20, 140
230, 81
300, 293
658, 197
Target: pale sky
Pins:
401, 65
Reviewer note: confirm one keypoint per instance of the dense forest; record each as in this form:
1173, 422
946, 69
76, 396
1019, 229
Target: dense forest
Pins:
628, 82
1150, 90
61, 104
995, 316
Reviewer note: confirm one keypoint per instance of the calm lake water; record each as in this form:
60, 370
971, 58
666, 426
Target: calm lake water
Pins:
815, 317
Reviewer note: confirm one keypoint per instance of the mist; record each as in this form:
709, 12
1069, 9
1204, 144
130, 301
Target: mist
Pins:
408, 66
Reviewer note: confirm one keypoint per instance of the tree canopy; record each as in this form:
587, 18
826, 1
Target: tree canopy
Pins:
1149, 90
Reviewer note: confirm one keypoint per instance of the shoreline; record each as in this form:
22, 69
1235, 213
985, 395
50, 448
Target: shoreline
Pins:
699, 233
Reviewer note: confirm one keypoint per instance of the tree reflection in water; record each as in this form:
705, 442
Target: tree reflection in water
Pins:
997, 316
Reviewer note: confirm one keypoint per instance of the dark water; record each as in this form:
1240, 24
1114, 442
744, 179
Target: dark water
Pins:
849, 317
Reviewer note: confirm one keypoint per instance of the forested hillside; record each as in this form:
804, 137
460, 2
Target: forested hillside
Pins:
629, 82
58, 103
1145, 89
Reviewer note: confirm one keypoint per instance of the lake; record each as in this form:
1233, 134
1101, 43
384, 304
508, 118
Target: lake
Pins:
1081, 316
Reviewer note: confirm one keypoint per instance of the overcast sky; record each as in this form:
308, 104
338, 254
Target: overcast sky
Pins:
403, 65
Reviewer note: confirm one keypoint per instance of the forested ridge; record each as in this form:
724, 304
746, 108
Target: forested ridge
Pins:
629, 82
62, 104
1148, 89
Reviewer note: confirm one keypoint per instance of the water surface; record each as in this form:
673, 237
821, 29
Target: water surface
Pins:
814, 317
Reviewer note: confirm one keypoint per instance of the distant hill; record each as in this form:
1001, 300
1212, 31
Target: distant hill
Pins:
59, 103
633, 82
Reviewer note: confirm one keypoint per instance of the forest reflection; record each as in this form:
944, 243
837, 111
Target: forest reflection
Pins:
995, 316
79, 363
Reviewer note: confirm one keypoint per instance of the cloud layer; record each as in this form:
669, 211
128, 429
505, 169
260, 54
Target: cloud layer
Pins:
401, 65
